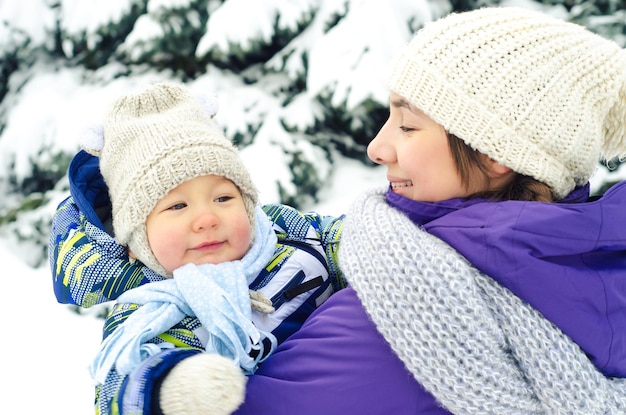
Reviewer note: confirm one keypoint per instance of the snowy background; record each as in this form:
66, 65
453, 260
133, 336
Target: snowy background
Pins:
301, 92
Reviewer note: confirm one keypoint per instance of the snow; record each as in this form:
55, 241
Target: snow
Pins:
79, 16
46, 346
362, 44
260, 20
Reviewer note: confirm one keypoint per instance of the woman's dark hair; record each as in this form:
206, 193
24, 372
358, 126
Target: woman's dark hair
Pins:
519, 187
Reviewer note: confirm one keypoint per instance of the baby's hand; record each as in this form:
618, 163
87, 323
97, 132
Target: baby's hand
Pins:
203, 384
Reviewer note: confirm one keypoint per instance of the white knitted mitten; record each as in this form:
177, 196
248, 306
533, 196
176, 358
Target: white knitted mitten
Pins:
205, 383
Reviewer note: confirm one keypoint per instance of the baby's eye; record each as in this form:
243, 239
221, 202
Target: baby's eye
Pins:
177, 206
406, 129
223, 199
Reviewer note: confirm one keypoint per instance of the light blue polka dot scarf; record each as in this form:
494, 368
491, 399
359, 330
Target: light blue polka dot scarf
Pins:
217, 294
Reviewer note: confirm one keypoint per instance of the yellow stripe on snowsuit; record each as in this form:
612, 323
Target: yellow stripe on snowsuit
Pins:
83, 250
179, 337
122, 277
65, 248
79, 270
279, 256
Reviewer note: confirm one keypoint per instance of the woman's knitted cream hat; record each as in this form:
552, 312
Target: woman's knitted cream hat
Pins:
542, 96
153, 141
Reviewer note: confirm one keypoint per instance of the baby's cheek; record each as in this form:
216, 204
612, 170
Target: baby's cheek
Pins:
168, 249
243, 236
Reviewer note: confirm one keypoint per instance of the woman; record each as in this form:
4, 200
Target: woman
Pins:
497, 282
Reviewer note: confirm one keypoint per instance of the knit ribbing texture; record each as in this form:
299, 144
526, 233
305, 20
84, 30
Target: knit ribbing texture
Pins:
472, 343
544, 97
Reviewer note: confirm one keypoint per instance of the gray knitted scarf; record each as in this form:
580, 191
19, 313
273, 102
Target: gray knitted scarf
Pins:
473, 344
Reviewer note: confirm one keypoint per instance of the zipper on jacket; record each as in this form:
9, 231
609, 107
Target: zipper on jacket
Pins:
295, 287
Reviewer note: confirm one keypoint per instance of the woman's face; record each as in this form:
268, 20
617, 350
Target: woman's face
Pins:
416, 152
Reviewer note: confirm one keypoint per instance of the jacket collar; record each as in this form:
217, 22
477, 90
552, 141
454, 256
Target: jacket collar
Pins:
87, 186
422, 213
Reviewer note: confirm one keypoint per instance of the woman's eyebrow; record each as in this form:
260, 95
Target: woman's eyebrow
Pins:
403, 103
400, 103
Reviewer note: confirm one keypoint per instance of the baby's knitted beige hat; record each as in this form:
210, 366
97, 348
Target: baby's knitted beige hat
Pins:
153, 141
546, 98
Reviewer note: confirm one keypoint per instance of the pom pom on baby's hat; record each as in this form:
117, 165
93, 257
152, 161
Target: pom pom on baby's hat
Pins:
210, 103
92, 139
206, 383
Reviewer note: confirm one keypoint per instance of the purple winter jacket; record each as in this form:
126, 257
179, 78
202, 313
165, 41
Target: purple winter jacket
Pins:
566, 259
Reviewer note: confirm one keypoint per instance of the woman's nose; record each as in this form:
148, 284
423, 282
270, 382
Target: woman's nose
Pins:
380, 150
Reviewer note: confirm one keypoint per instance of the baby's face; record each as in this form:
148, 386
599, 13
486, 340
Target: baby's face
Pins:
202, 221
